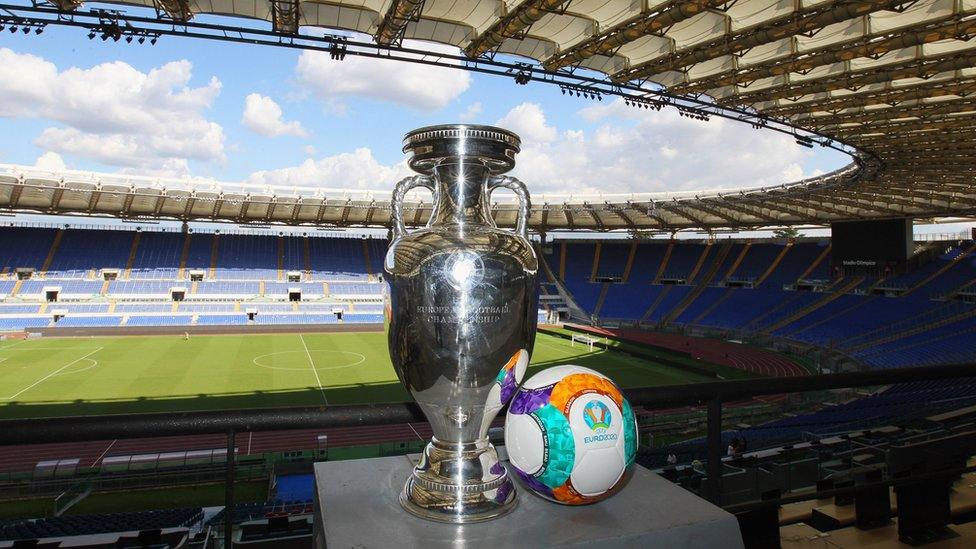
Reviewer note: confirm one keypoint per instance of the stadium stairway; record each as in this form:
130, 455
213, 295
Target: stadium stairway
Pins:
664, 262
281, 259
367, 259
601, 299
51, 253
909, 332
214, 251
657, 302
700, 262
307, 260
715, 304
575, 310
625, 277
830, 318
181, 271
596, 264
738, 261
950, 264
716, 264
830, 296
127, 273
816, 262
772, 266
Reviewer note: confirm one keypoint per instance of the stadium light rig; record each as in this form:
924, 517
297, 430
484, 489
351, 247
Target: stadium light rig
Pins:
694, 114
522, 73
643, 103
581, 91
14, 24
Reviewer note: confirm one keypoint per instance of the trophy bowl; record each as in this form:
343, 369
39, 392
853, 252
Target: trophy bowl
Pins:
461, 316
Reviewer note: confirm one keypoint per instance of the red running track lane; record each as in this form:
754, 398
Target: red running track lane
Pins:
743, 357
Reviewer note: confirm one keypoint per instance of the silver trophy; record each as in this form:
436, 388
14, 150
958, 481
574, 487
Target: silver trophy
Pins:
461, 316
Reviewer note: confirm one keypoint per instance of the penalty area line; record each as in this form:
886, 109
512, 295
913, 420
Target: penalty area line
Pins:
52, 374
314, 371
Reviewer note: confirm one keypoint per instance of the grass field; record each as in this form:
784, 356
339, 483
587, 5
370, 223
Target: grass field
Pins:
100, 375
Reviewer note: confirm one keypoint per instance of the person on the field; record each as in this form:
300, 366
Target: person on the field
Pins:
186, 336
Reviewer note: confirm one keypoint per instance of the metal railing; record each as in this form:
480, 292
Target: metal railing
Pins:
711, 394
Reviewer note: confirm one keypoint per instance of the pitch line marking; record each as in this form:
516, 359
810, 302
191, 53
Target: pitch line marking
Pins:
3, 359
314, 371
258, 362
54, 373
5, 347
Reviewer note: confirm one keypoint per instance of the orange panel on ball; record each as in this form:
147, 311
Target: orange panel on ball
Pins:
572, 386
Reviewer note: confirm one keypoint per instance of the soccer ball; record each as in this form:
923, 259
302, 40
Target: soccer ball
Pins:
571, 435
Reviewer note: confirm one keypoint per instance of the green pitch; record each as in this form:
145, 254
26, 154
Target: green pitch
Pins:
84, 376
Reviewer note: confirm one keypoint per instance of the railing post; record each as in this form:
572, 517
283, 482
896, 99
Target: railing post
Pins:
229, 491
714, 466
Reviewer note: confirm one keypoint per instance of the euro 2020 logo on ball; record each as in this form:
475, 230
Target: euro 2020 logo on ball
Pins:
597, 416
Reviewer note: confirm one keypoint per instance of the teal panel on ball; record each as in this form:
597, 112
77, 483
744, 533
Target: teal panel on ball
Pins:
559, 444
630, 433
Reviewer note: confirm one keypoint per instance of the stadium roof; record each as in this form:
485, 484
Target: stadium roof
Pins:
895, 79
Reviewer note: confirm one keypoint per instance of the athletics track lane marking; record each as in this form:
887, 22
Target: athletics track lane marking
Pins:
54, 373
314, 371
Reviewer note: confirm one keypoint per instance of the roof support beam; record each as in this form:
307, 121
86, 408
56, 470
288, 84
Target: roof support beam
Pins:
15, 193
915, 68
596, 219
649, 211
370, 212
58, 194
747, 209
813, 202
682, 210
905, 127
272, 206
872, 45
654, 22
394, 24
217, 203
568, 212
798, 22
960, 87
321, 210
512, 24
296, 210
961, 105
285, 16
67, 5
704, 206
177, 10
93, 199
190, 200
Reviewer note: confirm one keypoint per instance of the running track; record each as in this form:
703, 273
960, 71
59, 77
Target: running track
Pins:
25, 458
743, 357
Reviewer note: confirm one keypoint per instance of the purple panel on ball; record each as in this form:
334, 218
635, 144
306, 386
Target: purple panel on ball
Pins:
497, 468
508, 385
503, 491
533, 483
527, 401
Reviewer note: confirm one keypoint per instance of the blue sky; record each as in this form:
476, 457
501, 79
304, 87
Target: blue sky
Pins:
181, 107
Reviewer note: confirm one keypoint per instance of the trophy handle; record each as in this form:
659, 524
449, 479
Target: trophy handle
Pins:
525, 204
396, 204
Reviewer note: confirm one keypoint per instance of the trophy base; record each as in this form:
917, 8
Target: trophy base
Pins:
485, 490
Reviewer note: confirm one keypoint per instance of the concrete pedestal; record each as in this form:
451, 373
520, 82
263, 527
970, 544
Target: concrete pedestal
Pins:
357, 507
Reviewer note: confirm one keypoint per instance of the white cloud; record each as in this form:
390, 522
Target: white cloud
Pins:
629, 151
356, 170
263, 116
529, 122
471, 113
154, 120
50, 161
635, 150
422, 87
